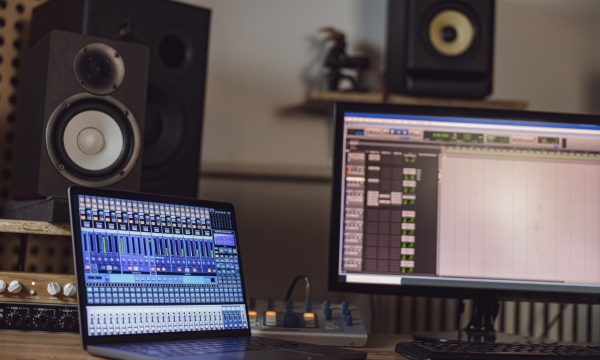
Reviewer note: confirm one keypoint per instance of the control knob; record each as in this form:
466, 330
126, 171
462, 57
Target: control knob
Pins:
2, 286
345, 309
69, 289
53, 288
327, 310
14, 318
41, 319
15, 287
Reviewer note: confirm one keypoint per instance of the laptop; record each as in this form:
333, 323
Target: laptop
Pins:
161, 278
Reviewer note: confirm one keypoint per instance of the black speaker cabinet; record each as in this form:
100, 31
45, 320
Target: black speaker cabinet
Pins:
440, 47
81, 115
177, 35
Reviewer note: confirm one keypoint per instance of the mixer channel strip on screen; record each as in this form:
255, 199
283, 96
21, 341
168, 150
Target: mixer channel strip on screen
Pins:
157, 255
105, 320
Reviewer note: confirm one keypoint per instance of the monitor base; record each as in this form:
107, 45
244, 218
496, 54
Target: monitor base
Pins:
465, 336
480, 328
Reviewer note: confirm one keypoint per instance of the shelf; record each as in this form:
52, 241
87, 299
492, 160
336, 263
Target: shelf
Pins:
34, 227
377, 98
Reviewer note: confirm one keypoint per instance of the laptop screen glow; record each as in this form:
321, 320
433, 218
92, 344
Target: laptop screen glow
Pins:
154, 268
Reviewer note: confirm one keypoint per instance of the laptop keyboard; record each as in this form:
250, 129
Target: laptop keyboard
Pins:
204, 346
464, 350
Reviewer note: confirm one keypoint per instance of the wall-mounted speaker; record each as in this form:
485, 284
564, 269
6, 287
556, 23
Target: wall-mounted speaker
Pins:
440, 47
81, 115
177, 35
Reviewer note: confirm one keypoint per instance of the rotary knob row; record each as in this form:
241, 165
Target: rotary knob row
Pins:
14, 287
53, 288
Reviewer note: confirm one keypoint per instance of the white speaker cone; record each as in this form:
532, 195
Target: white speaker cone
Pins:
93, 140
451, 32
90, 141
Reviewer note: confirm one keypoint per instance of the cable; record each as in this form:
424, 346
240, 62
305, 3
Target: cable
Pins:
554, 320
293, 285
460, 308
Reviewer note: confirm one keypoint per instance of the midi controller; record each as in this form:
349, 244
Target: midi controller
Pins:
47, 302
327, 324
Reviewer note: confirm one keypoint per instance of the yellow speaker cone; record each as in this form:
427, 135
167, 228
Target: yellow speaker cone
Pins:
451, 32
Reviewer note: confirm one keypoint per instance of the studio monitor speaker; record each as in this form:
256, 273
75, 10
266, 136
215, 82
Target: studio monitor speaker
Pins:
177, 35
440, 47
81, 115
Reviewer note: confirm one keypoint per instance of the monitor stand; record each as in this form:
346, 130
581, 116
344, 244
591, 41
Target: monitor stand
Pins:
480, 328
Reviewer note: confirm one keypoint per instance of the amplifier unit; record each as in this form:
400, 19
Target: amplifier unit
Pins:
39, 317
20, 287
41, 302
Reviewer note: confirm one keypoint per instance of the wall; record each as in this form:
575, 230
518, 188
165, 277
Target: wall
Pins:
266, 54
273, 161
547, 53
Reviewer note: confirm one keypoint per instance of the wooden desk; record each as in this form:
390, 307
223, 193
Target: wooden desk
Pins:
41, 345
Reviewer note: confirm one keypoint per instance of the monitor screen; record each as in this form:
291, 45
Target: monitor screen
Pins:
429, 197
152, 267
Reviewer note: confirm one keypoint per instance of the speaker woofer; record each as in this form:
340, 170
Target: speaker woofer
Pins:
165, 135
451, 32
93, 141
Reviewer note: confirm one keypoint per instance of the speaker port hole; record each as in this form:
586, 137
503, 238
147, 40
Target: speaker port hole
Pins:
173, 51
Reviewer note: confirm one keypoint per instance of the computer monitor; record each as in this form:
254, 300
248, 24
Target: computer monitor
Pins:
465, 203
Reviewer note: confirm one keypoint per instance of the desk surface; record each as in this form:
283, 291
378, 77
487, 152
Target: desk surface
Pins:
41, 345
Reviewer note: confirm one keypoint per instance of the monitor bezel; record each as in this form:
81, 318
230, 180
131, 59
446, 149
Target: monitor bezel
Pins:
86, 339
435, 291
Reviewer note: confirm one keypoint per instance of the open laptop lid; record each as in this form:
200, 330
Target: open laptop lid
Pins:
153, 267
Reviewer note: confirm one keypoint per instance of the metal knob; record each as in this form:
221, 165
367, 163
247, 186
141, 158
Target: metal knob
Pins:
53, 288
15, 287
69, 289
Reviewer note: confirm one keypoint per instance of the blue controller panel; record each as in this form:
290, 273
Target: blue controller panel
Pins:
146, 253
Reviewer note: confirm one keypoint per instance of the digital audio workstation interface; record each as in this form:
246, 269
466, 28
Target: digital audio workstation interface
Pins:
159, 268
469, 201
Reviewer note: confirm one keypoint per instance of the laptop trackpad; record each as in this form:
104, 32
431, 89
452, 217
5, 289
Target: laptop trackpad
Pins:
257, 355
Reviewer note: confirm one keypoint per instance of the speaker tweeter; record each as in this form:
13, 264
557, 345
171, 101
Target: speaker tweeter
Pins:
99, 68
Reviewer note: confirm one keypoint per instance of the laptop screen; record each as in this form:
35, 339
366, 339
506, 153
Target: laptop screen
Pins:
156, 267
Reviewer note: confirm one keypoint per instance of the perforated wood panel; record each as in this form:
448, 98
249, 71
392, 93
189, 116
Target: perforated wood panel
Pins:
47, 254
14, 24
9, 252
